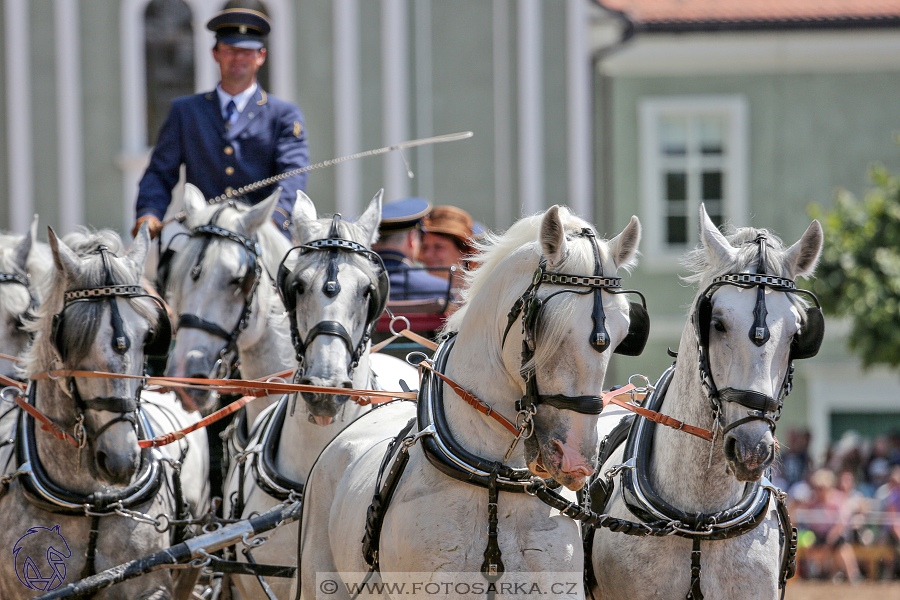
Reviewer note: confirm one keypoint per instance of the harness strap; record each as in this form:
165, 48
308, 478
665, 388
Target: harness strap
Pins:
47, 424
190, 321
657, 417
492, 568
695, 593
383, 495
474, 401
90, 554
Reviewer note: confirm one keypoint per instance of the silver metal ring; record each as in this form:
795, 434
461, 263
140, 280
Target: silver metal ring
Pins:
17, 393
416, 363
398, 318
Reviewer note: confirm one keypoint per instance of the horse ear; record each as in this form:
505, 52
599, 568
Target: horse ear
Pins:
194, 201
23, 249
553, 237
304, 211
259, 213
624, 247
720, 251
137, 252
801, 258
371, 218
66, 261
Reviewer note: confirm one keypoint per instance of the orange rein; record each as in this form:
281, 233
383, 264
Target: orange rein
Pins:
612, 397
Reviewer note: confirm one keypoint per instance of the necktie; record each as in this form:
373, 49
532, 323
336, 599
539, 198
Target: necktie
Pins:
230, 114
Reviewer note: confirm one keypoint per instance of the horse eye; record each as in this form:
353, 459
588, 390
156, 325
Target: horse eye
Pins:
299, 287
719, 326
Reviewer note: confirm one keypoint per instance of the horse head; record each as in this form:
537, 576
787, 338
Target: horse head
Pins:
749, 324
573, 317
24, 264
217, 286
334, 288
97, 317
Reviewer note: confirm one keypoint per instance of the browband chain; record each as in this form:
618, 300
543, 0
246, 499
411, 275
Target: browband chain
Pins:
756, 279
110, 290
581, 280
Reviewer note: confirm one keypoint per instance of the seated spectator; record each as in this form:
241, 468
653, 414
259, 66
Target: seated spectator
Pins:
446, 242
399, 245
827, 516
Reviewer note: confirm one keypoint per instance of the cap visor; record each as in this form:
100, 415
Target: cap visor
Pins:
243, 42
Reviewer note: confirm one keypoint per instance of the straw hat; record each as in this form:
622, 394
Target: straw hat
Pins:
452, 221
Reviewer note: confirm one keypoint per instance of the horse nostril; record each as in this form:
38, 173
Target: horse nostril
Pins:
347, 385
731, 448
102, 460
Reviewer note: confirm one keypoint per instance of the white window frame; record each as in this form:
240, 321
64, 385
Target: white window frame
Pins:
658, 254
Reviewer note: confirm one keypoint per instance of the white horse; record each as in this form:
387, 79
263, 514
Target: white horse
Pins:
437, 525
220, 284
334, 297
95, 317
24, 263
732, 372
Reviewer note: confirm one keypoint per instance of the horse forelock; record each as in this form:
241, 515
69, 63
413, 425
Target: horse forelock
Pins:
82, 319
320, 229
747, 259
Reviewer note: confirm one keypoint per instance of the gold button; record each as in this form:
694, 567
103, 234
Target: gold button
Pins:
229, 189
229, 170
229, 150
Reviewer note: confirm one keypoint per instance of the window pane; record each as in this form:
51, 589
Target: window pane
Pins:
711, 131
673, 136
711, 185
169, 46
676, 185
676, 230
714, 210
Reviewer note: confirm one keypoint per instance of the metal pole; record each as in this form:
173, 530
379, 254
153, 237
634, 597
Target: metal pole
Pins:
183, 552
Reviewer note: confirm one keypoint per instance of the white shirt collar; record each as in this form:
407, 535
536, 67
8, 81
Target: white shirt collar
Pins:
240, 100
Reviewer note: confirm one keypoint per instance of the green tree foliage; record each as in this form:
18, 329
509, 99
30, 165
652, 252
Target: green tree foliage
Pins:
859, 272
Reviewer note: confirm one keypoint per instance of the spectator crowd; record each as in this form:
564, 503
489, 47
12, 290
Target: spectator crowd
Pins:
846, 507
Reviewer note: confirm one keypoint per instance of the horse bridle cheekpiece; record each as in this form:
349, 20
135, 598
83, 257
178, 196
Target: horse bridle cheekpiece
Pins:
156, 344
529, 306
289, 287
248, 286
805, 344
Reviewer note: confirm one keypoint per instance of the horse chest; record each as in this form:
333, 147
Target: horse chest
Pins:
443, 527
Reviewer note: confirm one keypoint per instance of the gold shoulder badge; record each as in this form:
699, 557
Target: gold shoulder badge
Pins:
298, 128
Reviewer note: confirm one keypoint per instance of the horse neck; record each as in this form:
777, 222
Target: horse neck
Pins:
66, 467
301, 441
476, 364
265, 346
680, 464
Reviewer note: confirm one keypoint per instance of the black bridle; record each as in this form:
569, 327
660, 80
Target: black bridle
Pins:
530, 306
157, 343
805, 344
249, 284
377, 298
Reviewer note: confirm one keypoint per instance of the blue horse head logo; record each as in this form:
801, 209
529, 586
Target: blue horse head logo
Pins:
37, 541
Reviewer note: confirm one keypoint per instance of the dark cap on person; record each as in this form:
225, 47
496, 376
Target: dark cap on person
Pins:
401, 215
240, 27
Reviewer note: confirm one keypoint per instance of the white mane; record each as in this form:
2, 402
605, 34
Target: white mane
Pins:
507, 262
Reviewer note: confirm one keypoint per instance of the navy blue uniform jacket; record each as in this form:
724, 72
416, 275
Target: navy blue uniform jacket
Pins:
268, 139
408, 283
